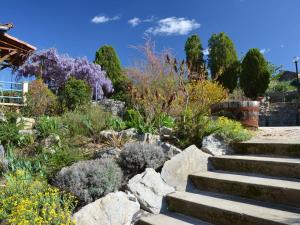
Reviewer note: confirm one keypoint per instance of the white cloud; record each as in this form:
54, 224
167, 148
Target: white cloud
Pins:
265, 50
137, 21
206, 51
134, 21
173, 26
150, 19
104, 19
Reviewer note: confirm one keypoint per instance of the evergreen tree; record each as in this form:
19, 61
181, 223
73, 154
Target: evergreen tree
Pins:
221, 55
255, 75
109, 61
230, 76
194, 57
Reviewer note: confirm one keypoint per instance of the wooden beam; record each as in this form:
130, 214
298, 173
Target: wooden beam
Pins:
7, 56
7, 49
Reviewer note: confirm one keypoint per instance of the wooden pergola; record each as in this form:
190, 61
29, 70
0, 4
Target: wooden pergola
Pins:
13, 52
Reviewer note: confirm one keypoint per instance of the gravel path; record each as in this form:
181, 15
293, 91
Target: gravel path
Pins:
277, 134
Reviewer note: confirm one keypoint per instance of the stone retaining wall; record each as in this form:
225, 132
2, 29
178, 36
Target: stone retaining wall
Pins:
278, 114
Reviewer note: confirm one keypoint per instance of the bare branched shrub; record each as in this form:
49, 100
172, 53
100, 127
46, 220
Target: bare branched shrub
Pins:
155, 84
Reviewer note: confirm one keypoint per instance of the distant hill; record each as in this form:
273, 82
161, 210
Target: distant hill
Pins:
287, 76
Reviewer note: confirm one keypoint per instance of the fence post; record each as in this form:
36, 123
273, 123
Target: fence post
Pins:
25, 91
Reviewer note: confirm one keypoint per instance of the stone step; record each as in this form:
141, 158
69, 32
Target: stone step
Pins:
222, 211
267, 148
170, 218
280, 167
265, 189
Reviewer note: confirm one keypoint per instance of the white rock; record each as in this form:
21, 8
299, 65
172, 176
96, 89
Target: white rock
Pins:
28, 123
176, 170
149, 138
107, 134
129, 133
27, 132
215, 145
150, 189
51, 140
114, 209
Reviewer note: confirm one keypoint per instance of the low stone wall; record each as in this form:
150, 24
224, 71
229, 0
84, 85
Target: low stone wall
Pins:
278, 114
275, 97
117, 108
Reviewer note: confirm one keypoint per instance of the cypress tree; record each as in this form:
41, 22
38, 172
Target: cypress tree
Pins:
222, 54
108, 59
255, 75
194, 57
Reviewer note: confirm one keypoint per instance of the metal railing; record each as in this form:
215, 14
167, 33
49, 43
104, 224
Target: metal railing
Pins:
13, 93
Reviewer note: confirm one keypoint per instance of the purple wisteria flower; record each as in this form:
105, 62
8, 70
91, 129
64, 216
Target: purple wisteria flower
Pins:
55, 70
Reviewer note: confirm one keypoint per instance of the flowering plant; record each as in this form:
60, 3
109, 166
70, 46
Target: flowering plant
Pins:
55, 70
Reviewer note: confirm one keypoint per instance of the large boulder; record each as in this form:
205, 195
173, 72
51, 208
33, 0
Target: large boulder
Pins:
116, 208
150, 189
215, 145
175, 171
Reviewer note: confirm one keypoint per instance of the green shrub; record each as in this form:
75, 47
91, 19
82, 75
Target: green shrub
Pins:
33, 166
280, 86
40, 100
191, 130
9, 131
134, 119
136, 157
164, 120
90, 180
75, 93
87, 121
46, 126
24, 200
230, 130
63, 156
116, 123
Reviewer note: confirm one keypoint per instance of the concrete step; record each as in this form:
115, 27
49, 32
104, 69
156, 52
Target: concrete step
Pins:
265, 189
221, 211
170, 218
280, 167
267, 148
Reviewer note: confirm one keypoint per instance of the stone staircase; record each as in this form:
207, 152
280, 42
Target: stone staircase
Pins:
260, 185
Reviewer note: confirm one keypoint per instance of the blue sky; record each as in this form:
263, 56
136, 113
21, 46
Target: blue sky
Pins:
79, 27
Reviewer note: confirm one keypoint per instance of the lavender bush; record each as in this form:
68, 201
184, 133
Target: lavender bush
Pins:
55, 70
